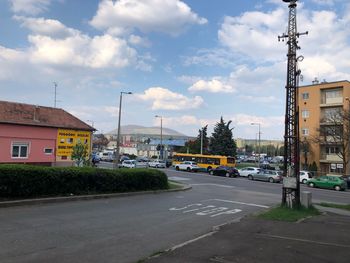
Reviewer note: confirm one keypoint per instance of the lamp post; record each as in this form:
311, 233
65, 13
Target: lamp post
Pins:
202, 141
257, 123
161, 136
116, 161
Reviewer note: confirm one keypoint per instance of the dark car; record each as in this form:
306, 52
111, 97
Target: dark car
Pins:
225, 171
347, 180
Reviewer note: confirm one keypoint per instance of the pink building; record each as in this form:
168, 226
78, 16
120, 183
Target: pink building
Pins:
39, 135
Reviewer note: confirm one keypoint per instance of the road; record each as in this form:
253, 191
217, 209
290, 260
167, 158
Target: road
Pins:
127, 229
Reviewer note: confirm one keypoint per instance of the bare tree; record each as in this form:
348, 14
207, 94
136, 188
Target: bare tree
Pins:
334, 134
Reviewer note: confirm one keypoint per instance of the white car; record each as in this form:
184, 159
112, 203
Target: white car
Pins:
187, 166
157, 164
304, 176
134, 164
246, 171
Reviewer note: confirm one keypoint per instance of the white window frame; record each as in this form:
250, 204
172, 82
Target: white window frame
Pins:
305, 95
20, 145
305, 114
305, 131
46, 153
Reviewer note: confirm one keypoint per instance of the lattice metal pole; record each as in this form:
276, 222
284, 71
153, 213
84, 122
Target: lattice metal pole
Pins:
291, 185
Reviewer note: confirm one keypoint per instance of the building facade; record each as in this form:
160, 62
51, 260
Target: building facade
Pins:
34, 134
323, 126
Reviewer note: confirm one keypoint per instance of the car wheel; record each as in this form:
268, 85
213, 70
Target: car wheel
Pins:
250, 177
337, 188
304, 181
209, 169
157, 166
271, 180
311, 184
211, 172
177, 168
188, 169
227, 174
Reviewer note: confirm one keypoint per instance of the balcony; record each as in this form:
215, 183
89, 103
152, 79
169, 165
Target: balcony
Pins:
332, 102
330, 158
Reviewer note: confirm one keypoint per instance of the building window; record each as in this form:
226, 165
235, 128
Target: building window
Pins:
20, 150
305, 114
332, 150
305, 96
48, 150
305, 131
70, 140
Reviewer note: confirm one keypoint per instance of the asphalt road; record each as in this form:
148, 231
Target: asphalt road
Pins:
127, 229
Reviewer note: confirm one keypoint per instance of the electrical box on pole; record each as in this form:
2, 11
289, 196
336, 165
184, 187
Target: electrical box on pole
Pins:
291, 167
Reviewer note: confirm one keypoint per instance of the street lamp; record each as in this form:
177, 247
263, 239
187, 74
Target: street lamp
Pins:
257, 123
116, 161
161, 135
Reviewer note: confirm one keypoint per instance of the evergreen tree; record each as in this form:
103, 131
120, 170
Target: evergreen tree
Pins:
221, 141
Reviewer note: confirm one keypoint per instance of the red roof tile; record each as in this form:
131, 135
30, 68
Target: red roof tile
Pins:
33, 115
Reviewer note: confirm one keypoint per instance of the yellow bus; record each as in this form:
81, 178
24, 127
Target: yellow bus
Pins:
207, 162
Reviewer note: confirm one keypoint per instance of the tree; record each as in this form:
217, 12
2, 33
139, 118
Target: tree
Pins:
194, 146
334, 134
80, 154
99, 141
221, 140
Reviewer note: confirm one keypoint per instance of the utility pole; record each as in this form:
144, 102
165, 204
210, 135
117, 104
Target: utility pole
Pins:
55, 99
291, 165
202, 141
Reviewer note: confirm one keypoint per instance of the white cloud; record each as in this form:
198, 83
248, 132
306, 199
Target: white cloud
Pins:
139, 41
46, 27
54, 44
164, 99
213, 86
166, 16
31, 7
324, 2
254, 34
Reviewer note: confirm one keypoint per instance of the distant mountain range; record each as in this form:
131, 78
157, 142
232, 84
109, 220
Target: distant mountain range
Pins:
137, 129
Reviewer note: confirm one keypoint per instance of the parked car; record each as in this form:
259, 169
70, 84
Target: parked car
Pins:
95, 158
225, 171
157, 164
304, 176
107, 156
347, 180
271, 176
329, 182
246, 171
187, 166
134, 164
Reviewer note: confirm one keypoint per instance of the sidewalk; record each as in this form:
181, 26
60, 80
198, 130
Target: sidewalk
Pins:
324, 238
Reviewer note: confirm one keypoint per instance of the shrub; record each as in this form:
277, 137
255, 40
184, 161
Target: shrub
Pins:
35, 181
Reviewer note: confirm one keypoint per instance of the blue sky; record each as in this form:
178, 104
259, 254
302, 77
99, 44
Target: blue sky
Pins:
190, 61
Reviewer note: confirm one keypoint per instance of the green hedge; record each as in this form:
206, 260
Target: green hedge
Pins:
36, 181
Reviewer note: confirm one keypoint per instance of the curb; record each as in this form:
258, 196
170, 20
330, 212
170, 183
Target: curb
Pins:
50, 200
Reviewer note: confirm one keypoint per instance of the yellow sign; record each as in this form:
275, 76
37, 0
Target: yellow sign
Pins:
66, 139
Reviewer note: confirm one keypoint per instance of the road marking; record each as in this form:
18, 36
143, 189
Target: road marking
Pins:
209, 210
219, 185
178, 178
305, 240
236, 202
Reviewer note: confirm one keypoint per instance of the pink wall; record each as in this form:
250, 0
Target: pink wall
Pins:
38, 139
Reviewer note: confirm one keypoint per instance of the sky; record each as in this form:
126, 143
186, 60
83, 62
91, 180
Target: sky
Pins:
189, 61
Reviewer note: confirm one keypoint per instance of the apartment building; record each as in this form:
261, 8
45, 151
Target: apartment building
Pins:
322, 128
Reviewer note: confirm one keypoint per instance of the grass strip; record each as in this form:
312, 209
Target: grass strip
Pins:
345, 207
283, 213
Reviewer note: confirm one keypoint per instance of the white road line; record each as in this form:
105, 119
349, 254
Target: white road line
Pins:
236, 202
305, 240
219, 185
178, 178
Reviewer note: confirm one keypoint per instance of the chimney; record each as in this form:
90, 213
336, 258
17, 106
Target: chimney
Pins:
36, 113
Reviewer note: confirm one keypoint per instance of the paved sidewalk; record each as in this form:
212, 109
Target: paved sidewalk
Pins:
324, 238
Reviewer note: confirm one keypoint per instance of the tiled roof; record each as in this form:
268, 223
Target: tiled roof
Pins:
33, 115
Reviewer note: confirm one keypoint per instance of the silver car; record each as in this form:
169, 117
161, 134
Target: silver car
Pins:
267, 175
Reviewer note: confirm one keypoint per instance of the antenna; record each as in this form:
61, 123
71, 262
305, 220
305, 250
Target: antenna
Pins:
55, 100
291, 184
